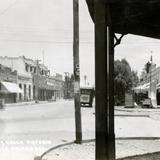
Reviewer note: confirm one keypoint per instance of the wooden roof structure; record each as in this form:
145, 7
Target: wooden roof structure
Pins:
139, 17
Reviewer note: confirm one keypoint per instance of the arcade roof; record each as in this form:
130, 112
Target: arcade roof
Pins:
139, 17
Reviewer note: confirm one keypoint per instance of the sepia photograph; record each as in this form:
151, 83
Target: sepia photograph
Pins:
79, 80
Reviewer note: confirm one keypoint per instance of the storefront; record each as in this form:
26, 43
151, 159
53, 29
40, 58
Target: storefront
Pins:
9, 91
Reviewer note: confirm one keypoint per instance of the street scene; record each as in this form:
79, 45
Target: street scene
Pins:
79, 80
30, 130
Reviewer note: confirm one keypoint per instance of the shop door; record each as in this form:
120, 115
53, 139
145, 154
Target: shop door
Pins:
158, 97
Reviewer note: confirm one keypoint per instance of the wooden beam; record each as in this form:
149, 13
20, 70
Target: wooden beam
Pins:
101, 81
111, 148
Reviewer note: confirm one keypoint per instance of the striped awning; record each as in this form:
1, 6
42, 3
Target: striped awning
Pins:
10, 87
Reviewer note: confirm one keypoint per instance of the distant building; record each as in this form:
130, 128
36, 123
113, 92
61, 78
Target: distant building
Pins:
68, 86
34, 79
152, 76
8, 85
48, 87
59, 85
24, 67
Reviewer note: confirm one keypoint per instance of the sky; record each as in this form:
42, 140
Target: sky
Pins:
34, 28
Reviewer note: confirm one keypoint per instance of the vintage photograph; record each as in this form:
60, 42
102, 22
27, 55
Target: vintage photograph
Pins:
79, 80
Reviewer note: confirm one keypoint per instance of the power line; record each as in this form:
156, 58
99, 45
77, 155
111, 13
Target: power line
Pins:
56, 42
10, 6
40, 29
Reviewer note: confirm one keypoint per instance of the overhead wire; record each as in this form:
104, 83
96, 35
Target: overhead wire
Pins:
42, 32
6, 9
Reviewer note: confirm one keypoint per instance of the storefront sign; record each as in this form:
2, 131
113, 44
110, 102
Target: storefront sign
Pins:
76, 87
77, 70
84, 98
49, 83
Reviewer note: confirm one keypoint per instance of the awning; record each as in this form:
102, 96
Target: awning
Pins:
158, 86
145, 87
142, 88
10, 87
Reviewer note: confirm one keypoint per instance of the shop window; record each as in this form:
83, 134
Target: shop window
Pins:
34, 69
31, 68
20, 85
26, 67
29, 91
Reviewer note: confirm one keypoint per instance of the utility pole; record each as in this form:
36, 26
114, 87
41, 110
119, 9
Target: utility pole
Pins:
36, 78
76, 71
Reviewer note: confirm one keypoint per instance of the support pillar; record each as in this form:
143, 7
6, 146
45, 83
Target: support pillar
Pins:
104, 75
111, 136
76, 71
101, 81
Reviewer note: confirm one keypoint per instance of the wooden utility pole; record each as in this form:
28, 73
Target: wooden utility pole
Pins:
76, 71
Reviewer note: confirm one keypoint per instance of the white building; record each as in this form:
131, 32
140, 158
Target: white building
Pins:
25, 67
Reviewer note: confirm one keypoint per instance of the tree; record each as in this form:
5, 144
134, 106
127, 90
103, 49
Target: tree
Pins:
68, 86
124, 80
147, 67
135, 79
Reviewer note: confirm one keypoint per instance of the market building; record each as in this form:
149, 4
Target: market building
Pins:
8, 85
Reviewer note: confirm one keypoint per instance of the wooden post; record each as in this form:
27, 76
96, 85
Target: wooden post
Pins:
76, 71
111, 137
101, 80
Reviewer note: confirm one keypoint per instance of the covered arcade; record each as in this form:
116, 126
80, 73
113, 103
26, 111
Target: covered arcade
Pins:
139, 17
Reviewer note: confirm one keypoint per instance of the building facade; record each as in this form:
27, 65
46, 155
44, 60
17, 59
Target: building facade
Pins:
34, 79
24, 67
148, 79
153, 74
48, 87
8, 85
68, 86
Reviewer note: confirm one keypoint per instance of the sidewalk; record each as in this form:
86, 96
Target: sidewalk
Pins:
124, 149
122, 108
27, 103
135, 135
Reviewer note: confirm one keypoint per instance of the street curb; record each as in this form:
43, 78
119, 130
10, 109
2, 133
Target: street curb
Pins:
61, 145
27, 104
21, 104
135, 157
126, 115
138, 110
93, 140
137, 138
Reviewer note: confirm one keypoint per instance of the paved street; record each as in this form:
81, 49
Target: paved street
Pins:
29, 130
